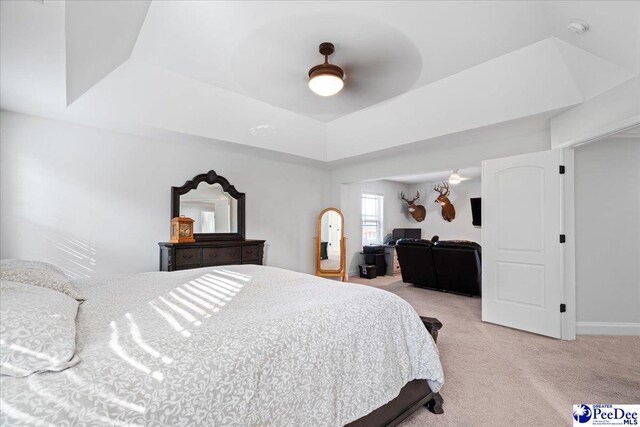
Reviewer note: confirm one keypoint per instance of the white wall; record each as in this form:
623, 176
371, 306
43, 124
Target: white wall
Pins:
458, 151
607, 205
466, 149
461, 227
395, 215
71, 191
97, 202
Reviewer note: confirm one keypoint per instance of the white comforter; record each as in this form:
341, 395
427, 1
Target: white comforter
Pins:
234, 345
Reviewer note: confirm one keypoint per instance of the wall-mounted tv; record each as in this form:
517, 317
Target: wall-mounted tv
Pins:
476, 211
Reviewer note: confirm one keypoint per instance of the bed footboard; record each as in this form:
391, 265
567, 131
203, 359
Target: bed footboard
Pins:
413, 395
435, 404
433, 325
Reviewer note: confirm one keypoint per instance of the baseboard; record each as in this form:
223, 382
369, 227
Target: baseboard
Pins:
606, 328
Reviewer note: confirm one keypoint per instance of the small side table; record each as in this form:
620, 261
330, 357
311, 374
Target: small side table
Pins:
433, 325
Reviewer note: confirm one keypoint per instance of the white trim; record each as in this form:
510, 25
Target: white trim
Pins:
569, 247
608, 328
603, 132
571, 328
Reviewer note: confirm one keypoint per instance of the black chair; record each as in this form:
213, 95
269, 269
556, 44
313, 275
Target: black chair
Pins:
458, 266
416, 262
448, 265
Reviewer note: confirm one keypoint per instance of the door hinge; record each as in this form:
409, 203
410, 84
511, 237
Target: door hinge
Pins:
561, 169
563, 238
563, 308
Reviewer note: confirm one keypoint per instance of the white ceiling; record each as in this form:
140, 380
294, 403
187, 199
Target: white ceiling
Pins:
91, 53
264, 49
465, 173
268, 54
237, 71
204, 193
633, 132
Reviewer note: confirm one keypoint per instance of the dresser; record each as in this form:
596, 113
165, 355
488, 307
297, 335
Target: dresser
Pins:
183, 256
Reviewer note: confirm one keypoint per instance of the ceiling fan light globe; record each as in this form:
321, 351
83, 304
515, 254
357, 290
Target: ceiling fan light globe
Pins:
325, 84
455, 179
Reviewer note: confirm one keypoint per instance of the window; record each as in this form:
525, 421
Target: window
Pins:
371, 219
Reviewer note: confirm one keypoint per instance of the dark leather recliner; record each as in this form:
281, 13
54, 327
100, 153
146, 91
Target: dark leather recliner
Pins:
416, 264
453, 266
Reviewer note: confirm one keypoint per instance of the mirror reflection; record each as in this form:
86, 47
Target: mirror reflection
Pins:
212, 209
330, 235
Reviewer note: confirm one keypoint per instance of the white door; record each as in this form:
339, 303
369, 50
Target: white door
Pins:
522, 277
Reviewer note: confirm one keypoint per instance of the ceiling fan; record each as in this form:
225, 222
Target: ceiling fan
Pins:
326, 79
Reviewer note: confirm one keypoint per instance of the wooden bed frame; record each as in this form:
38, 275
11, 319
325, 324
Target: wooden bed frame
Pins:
412, 396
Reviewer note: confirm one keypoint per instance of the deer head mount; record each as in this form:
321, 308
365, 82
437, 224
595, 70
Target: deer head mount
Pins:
448, 211
418, 212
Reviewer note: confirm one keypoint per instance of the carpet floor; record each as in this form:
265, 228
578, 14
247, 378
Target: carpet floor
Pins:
497, 376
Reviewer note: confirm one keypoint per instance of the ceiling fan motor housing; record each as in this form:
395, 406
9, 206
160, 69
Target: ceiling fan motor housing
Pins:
326, 49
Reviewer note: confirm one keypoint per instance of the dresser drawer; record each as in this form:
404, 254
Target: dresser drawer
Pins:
188, 257
250, 253
221, 256
183, 256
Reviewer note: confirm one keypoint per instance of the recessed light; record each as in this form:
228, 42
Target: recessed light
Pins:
578, 26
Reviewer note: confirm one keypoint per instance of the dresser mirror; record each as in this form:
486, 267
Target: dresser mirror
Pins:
212, 209
216, 207
330, 244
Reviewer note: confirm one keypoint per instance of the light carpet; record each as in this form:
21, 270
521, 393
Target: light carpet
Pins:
497, 376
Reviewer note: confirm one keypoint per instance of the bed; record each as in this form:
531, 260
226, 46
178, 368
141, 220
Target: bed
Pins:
234, 345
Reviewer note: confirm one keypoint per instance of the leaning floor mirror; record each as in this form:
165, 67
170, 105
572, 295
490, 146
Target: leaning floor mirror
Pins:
330, 245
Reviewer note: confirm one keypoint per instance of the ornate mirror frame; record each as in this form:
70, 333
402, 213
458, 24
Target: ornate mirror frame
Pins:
342, 270
211, 178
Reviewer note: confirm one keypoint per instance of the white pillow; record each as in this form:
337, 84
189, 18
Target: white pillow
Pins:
37, 273
37, 329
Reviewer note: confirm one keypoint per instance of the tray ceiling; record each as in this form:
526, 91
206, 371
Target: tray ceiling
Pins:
236, 71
